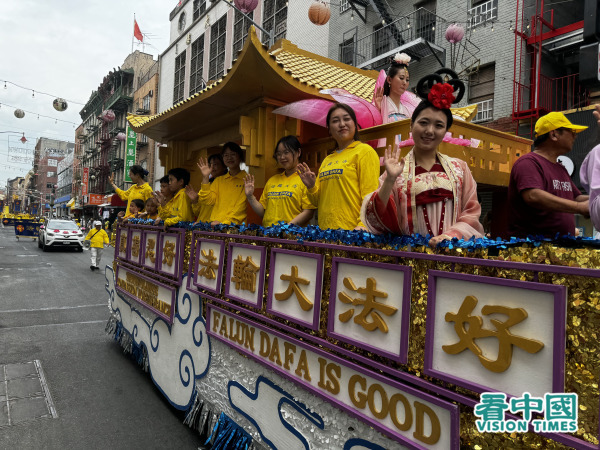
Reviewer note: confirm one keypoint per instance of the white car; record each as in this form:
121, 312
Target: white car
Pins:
60, 233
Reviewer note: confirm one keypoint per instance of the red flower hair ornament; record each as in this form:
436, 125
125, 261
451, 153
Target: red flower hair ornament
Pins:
441, 95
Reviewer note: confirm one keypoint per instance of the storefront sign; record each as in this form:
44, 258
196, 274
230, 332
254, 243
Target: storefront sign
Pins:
407, 415
130, 149
85, 179
95, 199
149, 293
496, 335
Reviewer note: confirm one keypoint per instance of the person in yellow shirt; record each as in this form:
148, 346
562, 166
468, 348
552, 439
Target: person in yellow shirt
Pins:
140, 189
136, 207
284, 197
178, 208
151, 210
345, 176
217, 169
98, 238
226, 193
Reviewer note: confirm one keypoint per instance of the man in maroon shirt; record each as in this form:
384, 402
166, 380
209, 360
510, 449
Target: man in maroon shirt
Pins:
542, 199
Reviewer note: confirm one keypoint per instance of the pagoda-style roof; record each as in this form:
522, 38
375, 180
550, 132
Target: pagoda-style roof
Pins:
280, 75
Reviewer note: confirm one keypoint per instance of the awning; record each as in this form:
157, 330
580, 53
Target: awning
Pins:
64, 198
71, 202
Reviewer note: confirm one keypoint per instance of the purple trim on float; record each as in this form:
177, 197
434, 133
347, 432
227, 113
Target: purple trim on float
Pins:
179, 235
402, 355
261, 273
314, 325
560, 309
130, 235
173, 290
451, 408
120, 230
192, 284
145, 235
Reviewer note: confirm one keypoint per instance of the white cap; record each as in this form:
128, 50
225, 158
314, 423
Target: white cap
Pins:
97, 222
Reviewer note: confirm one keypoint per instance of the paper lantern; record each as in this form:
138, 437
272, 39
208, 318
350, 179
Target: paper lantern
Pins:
455, 33
319, 12
60, 104
19, 113
246, 6
121, 136
108, 115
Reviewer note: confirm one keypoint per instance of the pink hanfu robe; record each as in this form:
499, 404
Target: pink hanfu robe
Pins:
457, 216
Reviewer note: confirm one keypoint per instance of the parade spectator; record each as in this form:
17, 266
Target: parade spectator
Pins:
178, 208
589, 175
284, 196
98, 238
345, 176
542, 200
426, 192
201, 211
140, 189
226, 193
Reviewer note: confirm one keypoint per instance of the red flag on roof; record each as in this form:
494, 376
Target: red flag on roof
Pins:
137, 32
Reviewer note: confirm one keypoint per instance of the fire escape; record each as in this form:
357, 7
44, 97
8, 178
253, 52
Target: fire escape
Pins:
546, 59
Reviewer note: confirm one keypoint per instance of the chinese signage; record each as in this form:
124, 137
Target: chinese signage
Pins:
86, 177
152, 294
490, 334
130, 149
245, 274
95, 199
409, 415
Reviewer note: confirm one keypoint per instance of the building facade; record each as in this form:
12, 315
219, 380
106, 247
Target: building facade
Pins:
48, 153
206, 38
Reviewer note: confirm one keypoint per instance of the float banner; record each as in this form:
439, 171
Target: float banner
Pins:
130, 152
27, 228
34, 209
151, 294
17, 206
407, 415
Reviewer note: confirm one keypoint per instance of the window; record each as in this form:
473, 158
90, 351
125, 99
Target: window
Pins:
179, 77
426, 20
216, 66
482, 12
146, 102
47, 196
50, 174
197, 66
49, 185
481, 92
275, 19
347, 51
381, 40
344, 6
241, 25
199, 8
181, 23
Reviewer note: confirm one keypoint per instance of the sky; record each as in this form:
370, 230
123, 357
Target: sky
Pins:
64, 48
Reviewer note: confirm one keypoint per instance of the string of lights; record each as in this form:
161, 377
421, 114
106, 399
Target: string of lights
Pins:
34, 91
40, 115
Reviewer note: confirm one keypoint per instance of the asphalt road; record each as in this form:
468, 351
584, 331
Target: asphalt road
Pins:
53, 309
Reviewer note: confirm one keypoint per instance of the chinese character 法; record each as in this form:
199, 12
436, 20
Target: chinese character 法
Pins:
371, 307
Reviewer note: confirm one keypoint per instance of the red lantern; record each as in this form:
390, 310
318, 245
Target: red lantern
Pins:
108, 115
319, 12
246, 6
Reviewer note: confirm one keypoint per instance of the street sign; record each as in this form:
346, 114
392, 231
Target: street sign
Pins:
86, 176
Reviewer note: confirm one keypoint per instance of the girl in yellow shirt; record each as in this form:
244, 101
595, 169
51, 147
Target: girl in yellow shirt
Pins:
345, 176
140, 189
284, 197
226, 193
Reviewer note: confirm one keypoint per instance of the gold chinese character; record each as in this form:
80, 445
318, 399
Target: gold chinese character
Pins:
168, 253
244, 274
208, 266
135, 246
475, 330
150, 250
293, 288
123, 244
370, 307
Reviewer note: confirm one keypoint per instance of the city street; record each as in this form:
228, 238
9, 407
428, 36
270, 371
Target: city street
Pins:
64, 383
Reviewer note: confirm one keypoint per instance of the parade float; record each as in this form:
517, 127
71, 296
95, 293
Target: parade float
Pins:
288, 337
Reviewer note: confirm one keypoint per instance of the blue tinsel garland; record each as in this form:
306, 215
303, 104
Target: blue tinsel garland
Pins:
360, 238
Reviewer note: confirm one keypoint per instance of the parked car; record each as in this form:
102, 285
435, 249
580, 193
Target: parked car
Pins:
60, 233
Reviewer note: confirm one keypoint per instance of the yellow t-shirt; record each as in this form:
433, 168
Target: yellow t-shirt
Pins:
178, 209
97, 238
227, 197
283, 199
202, 212
343, 181
143, 192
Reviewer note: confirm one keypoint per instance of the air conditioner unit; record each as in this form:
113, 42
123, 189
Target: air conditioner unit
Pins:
151, 93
